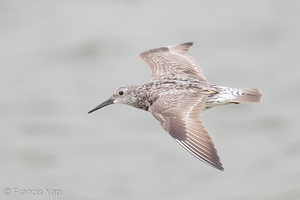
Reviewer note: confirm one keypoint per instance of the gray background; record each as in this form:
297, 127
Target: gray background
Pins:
59, 59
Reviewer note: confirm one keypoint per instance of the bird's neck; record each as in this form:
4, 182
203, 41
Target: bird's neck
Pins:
144, 97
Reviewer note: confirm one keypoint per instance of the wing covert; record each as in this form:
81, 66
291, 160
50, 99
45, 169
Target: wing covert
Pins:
173, 62
180, 115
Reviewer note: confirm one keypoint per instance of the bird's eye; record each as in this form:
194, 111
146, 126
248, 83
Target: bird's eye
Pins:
121, 92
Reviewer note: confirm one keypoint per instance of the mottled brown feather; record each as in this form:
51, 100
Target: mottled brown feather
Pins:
173, 62
179, 113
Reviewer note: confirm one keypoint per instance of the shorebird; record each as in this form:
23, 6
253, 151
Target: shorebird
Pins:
176, 96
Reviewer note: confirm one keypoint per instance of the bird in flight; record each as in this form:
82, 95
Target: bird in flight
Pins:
177, 95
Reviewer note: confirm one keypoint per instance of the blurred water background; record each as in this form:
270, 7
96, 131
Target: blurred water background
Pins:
59, 59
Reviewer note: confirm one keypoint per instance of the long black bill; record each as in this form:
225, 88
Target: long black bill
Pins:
105, 103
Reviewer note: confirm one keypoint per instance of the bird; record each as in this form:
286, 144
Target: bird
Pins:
176, 96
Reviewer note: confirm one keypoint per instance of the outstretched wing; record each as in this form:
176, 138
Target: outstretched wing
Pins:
180, 115
173, 62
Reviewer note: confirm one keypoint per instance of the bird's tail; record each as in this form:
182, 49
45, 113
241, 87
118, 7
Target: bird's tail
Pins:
248, 95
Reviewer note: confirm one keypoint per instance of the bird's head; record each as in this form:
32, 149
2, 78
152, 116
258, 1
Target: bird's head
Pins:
123, 95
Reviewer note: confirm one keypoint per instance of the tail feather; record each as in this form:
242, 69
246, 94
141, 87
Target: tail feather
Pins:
250, 95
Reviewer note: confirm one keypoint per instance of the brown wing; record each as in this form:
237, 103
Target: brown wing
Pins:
173, 61
180, 115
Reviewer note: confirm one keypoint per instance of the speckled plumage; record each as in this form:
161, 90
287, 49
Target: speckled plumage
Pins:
177, 95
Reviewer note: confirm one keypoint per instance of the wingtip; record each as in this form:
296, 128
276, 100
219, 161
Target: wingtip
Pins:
217, 165
221, 168
181, 48
188, 43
